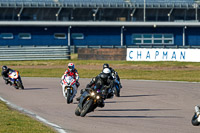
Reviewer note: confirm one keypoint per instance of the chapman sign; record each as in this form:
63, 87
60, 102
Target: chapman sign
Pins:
140, 54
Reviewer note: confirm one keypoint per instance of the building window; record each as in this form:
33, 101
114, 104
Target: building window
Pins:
24, 36
77, 36
7, 36
60, 36
153, 38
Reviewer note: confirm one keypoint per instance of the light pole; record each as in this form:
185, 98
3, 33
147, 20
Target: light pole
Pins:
144, 10
196, 10
196, 6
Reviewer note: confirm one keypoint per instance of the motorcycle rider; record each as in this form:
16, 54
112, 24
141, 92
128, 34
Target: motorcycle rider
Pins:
71, 71
105, 81
5, 73
113, 73
102, 81
88, 87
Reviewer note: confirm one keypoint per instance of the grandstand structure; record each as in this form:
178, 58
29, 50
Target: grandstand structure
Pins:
100, 22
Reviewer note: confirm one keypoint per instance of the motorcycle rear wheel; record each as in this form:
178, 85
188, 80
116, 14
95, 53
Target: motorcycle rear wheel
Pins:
19, 85
194, 120
86, 107
117, 93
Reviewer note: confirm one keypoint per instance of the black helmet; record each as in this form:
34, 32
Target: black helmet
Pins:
4, 68
105, 65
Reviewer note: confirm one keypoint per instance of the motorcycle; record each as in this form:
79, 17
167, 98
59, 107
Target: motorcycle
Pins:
89, 101
15, 79
116, 88
69, 88
196, 117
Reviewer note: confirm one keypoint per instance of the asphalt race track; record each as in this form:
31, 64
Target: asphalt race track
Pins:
144, 106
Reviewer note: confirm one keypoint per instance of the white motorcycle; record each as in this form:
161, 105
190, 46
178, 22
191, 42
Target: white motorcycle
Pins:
15, 79
196, 117
69, 88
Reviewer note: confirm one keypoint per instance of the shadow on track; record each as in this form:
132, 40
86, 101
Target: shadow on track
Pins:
137, 109
120, 101
138, 95
95, 116
34, 88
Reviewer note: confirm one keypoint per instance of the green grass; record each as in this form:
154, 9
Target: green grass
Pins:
172, 75
12, 121
174, 71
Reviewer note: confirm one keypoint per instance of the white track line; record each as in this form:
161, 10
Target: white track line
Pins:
56, 127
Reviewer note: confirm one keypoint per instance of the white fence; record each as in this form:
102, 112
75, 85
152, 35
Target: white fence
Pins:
34, 53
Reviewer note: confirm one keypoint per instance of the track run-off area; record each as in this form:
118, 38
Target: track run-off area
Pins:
144, 106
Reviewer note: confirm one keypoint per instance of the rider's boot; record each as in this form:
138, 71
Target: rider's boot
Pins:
81, 92
78, 98
120, 85
77, 84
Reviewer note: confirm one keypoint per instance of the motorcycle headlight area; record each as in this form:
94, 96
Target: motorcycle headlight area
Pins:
98, 97
92, 94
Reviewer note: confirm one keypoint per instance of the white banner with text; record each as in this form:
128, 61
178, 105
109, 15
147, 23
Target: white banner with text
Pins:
143, 54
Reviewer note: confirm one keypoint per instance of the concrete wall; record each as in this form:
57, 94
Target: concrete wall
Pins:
102, 54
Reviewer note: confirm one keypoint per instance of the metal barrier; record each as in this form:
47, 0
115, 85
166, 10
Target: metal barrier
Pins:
34, 53
74, 49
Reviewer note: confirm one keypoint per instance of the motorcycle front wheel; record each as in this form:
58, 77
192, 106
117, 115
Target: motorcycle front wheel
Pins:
68, 96
19, 85
86, 107
77, 111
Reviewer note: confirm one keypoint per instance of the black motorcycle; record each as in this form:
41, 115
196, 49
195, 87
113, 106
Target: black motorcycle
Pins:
89, 101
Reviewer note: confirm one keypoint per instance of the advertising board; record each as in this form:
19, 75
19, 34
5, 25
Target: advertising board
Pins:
143, 54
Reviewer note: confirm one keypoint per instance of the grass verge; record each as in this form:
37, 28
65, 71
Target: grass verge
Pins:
11, 121
174, 71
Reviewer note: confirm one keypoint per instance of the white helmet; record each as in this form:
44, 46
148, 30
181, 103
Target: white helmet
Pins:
106, 71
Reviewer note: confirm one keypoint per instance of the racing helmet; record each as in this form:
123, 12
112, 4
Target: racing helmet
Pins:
4, 68
105, 65
106, 71
71, 66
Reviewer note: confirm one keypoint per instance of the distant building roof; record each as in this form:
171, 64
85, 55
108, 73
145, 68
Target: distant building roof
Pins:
94, 3
99, 1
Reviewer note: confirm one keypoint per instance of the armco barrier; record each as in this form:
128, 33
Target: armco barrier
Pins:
34, 53
74, 49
